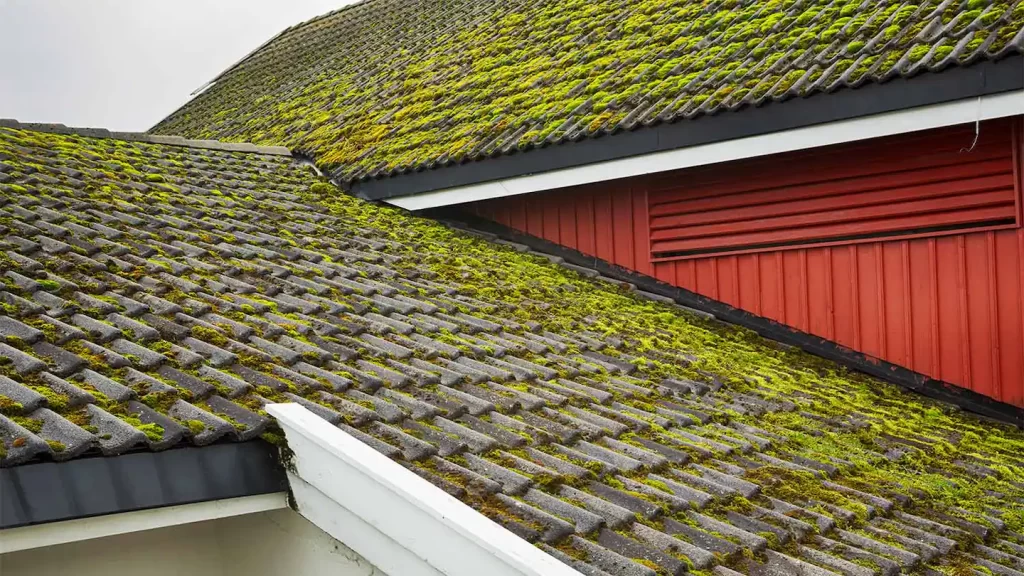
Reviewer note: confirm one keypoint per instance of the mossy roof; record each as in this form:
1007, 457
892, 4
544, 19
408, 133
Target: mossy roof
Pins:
387, 86
159, 295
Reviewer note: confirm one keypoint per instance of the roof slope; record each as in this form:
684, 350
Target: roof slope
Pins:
155, 295
394, 85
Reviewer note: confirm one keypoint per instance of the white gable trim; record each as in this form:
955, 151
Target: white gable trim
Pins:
40, 535
398, 521
874, 126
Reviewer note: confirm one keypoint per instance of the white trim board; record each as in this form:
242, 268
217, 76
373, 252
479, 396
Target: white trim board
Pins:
40, 535
399, 522
863, 128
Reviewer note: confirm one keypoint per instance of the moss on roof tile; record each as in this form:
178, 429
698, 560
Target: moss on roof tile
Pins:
753, 410
385, 86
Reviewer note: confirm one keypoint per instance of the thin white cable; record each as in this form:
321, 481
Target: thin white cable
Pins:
977, 128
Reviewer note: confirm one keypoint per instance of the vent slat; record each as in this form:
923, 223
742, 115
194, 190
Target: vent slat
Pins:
864, 191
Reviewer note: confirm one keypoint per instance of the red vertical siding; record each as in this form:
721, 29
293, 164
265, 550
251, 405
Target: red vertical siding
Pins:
948, 304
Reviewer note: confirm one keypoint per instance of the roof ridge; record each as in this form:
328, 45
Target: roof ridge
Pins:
401, 67
145, 137
267, 42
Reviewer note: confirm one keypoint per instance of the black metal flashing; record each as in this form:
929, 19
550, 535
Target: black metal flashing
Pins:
84, 487
899, 375
984, 78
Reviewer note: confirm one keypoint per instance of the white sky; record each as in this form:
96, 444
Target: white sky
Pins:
126, 64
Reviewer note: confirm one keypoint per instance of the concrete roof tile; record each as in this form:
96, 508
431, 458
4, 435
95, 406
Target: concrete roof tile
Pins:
491, 387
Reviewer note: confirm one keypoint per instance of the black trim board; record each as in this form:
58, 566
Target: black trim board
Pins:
84, 487
988, 77
944, 391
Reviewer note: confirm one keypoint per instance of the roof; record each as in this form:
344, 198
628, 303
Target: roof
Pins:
160, 295
368, 94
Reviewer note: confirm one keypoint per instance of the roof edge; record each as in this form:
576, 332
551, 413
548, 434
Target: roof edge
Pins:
55, 533
392, 517
136, 481
958, 83
145, 137
255, 51
930, 117
942, 391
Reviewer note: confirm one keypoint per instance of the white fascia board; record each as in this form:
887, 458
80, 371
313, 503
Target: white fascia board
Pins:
398, 521
363, 537
863, 128
51, 534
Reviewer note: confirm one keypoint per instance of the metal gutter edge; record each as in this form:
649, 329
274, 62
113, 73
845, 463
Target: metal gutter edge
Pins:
950, 85
33, 494
54, 533
398, 521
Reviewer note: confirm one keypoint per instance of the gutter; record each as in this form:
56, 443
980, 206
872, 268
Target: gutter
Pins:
399, 522
50, 492
896, 106
43, 535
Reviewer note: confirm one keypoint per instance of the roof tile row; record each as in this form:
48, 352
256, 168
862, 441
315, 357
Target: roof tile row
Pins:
389, 86
155, 296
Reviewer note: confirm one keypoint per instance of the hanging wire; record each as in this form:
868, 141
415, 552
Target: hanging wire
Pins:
977, 128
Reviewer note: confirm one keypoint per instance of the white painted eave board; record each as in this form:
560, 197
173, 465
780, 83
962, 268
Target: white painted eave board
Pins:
51, 534
863, 128
398, 521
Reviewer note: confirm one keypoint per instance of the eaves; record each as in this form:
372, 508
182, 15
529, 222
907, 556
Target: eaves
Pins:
548, 166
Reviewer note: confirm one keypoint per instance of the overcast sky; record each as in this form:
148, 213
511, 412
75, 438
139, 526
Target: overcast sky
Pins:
126, 64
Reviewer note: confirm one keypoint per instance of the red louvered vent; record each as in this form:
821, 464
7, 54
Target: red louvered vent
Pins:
928, 183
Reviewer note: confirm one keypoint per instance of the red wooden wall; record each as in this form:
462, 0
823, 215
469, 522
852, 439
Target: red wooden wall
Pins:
925, 268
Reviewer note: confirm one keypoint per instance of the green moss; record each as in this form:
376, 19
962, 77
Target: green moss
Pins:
195, 427
841, 417
154, 432
274, 438
918, 52
54, 400
49, 285
31, 424
56, 446
209, 335
9, 406
162, 346
650, 564
942, 52
322, 190
657, 484
160, 401
518, 77
798, 486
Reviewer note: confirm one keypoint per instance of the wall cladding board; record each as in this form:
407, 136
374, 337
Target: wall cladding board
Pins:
916, 183
948, 307
908, 248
